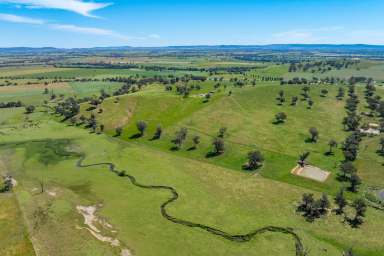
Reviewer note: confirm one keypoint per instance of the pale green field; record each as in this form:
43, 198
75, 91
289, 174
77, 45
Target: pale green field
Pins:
214, 191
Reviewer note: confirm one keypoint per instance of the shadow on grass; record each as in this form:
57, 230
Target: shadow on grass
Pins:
174, 148
309, 140
212, 154
136, 136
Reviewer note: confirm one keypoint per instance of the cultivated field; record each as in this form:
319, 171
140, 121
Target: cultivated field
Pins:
90, 182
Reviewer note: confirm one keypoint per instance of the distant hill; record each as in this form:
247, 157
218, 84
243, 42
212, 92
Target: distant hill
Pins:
322, 48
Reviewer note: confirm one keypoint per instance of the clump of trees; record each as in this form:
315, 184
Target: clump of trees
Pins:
218, 146
180, 137
11, 104
313, 209
360, 207
29, 109
68, 108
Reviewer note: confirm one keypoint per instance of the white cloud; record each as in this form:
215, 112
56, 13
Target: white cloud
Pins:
77, 6
20, 19
101, 32
307, 36
154, 36
78, 29
83, 30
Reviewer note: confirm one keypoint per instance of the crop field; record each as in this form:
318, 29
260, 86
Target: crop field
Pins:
132, 161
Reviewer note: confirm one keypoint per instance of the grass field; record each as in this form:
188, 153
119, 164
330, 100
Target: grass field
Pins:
234, 201
40, 216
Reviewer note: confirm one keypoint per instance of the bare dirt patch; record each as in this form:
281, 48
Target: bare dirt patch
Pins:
94, 225
311, 172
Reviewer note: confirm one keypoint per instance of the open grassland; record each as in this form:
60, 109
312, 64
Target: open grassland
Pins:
42, 154
100, 73
236, 202
248, 114
364, 69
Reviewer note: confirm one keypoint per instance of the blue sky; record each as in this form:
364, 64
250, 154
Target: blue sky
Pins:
84, 23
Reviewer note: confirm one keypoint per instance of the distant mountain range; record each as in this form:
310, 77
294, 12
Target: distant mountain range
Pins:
324, 48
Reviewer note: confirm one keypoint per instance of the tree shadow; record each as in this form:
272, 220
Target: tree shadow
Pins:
136, 136
174, 148
212, 154
191, 148
276, 122
309, 140
329, 153
341, 177
246, 167
154, 138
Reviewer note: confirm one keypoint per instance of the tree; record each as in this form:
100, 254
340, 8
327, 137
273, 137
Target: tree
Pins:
381, 150
347, 169
351, 122
280, 98
255, 160
340, 93
355, 182
73, 120
68, 108
294, 100
196, 141
332, 144
306, 202
101, 127
324, 92
222, 132
324, 203
302, 159
280, 118
45, 91
118, 131
158, 132
310, 103
313, 209
218, 146
180, 136
141, 126
29, 109
340, 201
314, 134
360, 208
348, 252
